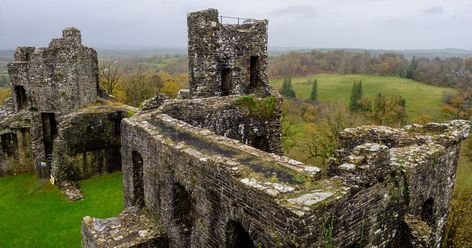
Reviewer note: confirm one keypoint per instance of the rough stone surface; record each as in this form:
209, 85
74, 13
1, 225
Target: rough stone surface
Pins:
70, 190
50, 82
56, 121
88, 142
15, 144
233, 117
154, 102
132, 228
221, 56
226, 181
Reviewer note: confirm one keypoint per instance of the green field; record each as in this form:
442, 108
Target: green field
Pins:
33, 213
420, 98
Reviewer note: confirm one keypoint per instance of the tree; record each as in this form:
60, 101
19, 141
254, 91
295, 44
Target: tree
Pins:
314, 91
410, 72
379, 108
389, 110
287, 89
356, 97
110, 75
140, 86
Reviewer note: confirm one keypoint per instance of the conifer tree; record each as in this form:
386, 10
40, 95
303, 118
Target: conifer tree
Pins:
314, 91
287, 89
356, 97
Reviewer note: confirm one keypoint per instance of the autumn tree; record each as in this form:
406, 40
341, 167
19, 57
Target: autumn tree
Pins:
109, 76
140, 86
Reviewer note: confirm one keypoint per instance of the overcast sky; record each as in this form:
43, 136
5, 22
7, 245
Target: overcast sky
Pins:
375, 24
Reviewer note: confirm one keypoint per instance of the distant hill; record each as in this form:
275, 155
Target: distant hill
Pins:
7, 55
426, 53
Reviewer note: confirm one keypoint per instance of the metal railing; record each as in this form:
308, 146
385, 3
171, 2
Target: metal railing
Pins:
238, 20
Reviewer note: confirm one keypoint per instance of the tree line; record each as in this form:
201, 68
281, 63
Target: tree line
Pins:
450, 72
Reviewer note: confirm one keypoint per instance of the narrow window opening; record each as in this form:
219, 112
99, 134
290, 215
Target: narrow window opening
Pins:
117, 126
9, 143
20, 95
225, 82
427, 211
254, 72
183, 212
138, 186
261, 143
236, 236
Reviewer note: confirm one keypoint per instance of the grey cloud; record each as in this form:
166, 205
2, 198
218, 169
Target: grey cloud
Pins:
436, 10
295, 10
302, 23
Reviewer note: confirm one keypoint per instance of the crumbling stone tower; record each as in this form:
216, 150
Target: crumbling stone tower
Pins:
56, 95
58, 79
226, 59
51, 82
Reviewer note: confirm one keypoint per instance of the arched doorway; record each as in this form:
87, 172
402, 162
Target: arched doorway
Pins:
138, 186
236, 236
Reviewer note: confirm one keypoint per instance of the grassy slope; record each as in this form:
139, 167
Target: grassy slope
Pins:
420, 98
33, 213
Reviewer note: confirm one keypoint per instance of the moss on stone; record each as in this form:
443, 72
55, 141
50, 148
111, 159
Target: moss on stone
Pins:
263, 107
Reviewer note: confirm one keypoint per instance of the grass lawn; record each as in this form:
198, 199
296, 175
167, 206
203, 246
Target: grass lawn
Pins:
420, 98
33, 213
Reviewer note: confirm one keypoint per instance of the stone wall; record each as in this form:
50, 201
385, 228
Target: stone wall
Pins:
88, 143
251, 120
226, 59
208, 190
15, 144
51, 82
60, 78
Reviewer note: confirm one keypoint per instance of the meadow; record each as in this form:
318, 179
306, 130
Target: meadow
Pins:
420, 98
33, 212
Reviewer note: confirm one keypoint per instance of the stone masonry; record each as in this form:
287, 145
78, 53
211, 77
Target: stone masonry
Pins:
226, 59
208, 169
56, 123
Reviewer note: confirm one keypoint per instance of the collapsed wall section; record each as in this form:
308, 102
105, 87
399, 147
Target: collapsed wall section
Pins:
251, 120
88, 143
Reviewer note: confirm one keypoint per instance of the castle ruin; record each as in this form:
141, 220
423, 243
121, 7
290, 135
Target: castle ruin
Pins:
208, 171
56, 123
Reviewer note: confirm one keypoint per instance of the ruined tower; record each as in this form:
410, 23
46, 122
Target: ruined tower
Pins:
51, 82
61, 125
226, 59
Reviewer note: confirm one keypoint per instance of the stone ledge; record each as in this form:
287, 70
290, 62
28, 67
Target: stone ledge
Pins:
132, 228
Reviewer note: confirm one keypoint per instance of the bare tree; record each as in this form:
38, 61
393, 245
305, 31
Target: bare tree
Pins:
110, 74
